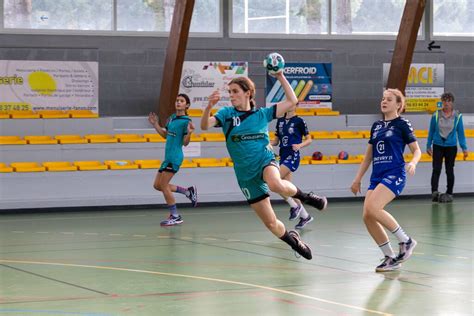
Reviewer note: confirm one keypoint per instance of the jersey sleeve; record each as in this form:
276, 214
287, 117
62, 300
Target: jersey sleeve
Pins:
372, 130
269, 113
221, 116
185, 126
407, 132
303, 127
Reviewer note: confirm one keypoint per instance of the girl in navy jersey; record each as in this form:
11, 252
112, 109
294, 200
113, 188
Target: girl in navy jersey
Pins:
388, 138
289, 134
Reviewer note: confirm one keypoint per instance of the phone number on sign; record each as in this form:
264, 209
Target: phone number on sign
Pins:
14, 107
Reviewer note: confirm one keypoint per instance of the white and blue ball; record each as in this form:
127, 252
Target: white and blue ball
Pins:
274, 63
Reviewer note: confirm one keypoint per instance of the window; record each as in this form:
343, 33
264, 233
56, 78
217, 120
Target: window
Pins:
280, 16
58, 14
453, 17
366, 16
156, 15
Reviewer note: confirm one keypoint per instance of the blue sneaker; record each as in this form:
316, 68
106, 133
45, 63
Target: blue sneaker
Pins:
303, 221
406, 250
388, 264
294, 212
172, 221
193, 195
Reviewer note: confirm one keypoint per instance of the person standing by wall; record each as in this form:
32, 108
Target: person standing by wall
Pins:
446, 129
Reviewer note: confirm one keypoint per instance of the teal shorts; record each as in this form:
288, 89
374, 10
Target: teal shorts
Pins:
255, 189
168, 166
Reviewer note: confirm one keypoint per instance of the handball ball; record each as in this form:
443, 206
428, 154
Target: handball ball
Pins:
317, 155
343, 155
274, 63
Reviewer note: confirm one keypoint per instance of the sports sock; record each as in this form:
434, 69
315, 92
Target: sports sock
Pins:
387, 249
173, 210
291, 202
400, 234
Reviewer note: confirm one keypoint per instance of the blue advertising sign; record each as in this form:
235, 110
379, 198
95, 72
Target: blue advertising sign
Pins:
312, 83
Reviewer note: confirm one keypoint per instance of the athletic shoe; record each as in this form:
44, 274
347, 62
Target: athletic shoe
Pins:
435, 196
406, 250
294, 212
303, 221
446, 198
319, 202
301, 248
172, 221
193, 195
388, 264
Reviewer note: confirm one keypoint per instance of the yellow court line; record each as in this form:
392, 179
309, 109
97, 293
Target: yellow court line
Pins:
201, 278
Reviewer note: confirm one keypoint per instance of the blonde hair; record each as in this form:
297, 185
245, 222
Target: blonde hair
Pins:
400, 98
246, 85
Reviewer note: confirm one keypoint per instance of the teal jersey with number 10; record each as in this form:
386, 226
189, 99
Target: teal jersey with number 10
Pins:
247, 139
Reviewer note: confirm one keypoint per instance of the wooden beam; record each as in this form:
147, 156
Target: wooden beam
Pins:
174, 58
405, 44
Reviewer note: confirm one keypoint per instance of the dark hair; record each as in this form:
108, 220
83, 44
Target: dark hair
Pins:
185, 96
447, 96
247, 85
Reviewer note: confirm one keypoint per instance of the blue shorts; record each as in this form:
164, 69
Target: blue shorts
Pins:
395, 182
290, 159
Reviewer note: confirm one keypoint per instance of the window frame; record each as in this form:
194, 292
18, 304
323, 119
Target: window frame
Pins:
114, 32
452, 38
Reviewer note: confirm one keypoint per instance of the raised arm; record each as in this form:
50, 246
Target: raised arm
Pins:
187, 137
207, 120
291, 100
355, 187
153, 119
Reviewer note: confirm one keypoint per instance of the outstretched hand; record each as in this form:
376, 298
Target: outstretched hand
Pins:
214, 98
153, 118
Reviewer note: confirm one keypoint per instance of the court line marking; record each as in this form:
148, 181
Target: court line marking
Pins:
267, 288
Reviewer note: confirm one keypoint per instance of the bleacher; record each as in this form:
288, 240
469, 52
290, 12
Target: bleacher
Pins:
42, 159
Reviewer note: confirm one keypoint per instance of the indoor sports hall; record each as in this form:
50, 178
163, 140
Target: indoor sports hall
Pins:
142, 142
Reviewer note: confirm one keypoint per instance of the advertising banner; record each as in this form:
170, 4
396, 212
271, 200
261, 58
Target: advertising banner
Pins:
48, 85
312, 83
424, 86
200, 78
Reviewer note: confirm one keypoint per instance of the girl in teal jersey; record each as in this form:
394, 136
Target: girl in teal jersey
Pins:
177, 132
248, 143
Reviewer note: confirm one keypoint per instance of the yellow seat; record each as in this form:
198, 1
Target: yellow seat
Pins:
53, 114
154, 138
27, 167
305, 162
304, 111
188, 164
82, 114
41, 140
12, 140
57, 166
130, 138
209, 162
196, 138
350, 160
213, 137
425, 158
365, 133
323, 135
24, 115
148, 164
349, 134
71, 139
469, 133
324, 161
421, 133
470, 156
120, 164
90, 165
327, 113
4, 168
101, 138
194, 112
4, 115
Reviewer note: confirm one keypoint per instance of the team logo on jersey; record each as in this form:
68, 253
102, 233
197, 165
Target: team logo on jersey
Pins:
380, 147
247, 137
291, 130
389, 133
399, 181
284, 141
377, 127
